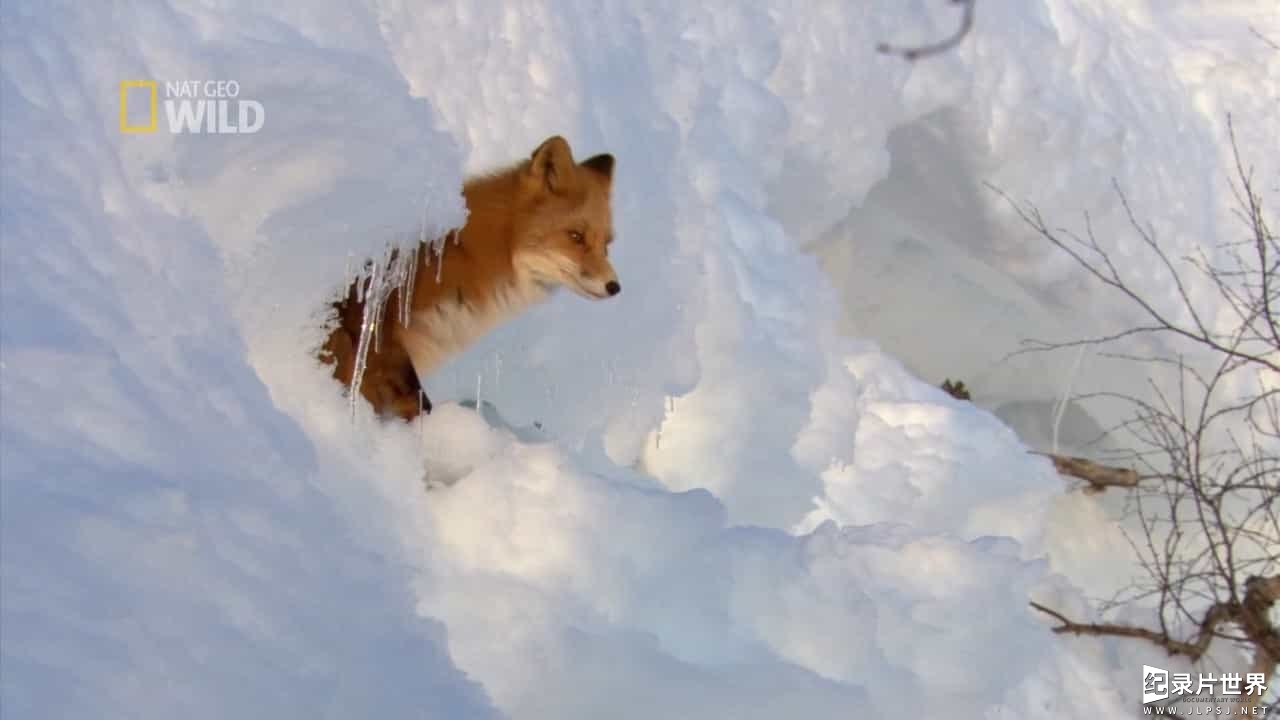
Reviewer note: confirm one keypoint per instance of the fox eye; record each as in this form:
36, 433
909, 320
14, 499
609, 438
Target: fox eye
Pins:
577, 237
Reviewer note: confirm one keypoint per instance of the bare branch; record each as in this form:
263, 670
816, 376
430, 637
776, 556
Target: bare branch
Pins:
937, 48
1105, 271
1261, 594
1192, 650
1274, 45
1197, 453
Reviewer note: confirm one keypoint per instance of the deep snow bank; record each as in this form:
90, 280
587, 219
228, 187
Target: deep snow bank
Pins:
734, 511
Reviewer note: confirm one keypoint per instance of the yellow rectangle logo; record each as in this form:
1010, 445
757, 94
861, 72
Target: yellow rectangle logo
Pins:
125, 86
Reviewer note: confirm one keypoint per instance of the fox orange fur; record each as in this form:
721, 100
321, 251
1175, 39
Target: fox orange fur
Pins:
541, 224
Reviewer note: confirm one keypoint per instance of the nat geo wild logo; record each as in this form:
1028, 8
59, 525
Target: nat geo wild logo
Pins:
208, 107
1228, 694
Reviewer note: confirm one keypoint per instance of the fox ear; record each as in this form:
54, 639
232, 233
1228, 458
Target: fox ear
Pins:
552, 164
602, 164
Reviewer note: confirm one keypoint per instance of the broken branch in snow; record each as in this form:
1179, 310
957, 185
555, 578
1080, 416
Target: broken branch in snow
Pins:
1099, 476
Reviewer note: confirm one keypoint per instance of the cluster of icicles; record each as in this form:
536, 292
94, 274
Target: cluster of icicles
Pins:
376, 282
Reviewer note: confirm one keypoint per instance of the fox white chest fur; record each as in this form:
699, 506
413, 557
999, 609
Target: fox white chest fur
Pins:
439, 332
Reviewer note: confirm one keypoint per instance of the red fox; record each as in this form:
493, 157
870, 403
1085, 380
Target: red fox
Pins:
537, 225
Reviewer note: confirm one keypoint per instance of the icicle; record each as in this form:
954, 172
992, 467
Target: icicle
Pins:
1061, 408
423, 241
438, 250
394, 272
479, 377
382, 294
409, 268
367, 328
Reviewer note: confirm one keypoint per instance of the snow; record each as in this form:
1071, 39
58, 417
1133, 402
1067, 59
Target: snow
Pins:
732, 491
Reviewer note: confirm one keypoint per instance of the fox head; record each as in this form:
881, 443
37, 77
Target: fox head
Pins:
563, 225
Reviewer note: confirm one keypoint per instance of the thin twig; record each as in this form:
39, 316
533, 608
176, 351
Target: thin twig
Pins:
937, 48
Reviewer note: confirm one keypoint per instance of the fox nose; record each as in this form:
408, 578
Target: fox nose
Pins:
612, 287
